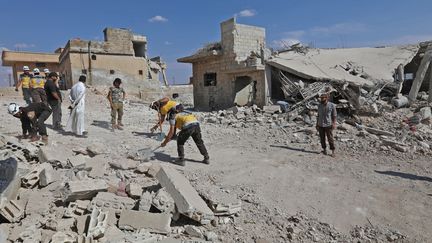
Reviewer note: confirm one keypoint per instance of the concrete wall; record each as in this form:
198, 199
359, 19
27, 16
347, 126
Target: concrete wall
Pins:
237, 43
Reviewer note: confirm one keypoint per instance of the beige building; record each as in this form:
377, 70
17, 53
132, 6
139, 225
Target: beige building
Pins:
231, 71
122, 54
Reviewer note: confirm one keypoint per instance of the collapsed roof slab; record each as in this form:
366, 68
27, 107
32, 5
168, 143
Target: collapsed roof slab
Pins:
358, 66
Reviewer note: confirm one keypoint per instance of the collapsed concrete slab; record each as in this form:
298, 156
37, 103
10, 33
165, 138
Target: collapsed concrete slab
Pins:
186, 198
83, 190
153, 222
57, 156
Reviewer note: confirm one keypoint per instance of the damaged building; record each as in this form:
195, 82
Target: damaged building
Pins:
230, 71
122, 54
239, 70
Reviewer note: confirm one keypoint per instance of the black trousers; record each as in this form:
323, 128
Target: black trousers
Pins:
194, 132
41, 122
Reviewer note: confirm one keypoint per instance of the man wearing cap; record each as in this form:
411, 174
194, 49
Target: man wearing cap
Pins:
54, 99
326, 122
24, 81
33, 119
37, 85
46, 72
189, 126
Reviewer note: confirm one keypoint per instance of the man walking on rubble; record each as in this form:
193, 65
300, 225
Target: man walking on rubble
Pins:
326, 123
189, 126
75, 123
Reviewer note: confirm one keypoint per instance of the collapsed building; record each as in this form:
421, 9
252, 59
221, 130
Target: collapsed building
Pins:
240, 70
122, 54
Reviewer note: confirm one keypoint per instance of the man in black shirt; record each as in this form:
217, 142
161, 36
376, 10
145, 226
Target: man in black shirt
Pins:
33, 119
54, 99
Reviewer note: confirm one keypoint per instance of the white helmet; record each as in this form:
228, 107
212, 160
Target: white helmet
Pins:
36, 70
13, 108
26, 68
46, 70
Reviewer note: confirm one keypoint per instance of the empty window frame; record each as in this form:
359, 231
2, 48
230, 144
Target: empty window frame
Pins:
210, 79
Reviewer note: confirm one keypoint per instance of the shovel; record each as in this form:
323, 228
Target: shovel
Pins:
146, 153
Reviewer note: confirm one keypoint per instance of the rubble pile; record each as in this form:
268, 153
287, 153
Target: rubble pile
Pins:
50, 194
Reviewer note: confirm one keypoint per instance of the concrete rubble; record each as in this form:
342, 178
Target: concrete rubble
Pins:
58, 200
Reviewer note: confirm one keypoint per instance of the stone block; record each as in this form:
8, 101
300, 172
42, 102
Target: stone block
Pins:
77, 208
82, 223
78, 162
194, 231
134, 190
152, 222
272, 109
107, 200
98, 223
146, 201
12, 211
31, 179
47, 175
153, 170
57, 156
83, 190
163, 201
186, 198
64, 237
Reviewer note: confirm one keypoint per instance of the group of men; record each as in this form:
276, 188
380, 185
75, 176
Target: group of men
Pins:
43, 97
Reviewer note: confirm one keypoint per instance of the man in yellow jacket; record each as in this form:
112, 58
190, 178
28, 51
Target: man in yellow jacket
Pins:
189, 126
24, 82
37, 87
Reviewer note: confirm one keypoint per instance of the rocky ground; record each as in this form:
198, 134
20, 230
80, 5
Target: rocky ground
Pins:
377, 189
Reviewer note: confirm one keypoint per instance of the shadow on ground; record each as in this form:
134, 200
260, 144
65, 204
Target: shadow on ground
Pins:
102, 124
405, 175
295, 149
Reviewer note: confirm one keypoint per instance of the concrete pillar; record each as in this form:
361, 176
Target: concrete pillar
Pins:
268, 85
420, 75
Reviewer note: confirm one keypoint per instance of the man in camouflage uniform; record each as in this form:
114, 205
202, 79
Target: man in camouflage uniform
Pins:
116, 96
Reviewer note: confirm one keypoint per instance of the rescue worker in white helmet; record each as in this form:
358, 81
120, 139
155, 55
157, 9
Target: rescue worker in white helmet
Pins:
37, 84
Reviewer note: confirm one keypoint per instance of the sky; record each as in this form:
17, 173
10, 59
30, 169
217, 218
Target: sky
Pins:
177, 28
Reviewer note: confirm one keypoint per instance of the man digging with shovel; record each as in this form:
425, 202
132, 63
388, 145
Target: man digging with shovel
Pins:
189, 127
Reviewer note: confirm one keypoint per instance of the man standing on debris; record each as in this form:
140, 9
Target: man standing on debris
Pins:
75, 123
326, 122
37, 84
33, 119
189, 126
163, 107
116, 96
24, 80
54, 99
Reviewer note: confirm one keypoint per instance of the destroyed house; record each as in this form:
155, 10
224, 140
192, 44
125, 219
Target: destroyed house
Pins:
122, 54
230, 71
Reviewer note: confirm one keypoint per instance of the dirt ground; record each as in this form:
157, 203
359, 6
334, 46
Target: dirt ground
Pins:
274, 176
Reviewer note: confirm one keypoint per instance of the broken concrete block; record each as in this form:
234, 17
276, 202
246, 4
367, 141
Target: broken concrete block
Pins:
12, 211
39, 203
63, 237
78, 162
98, 223
426, 115
153, 222
163, 201
31, 234
32, 178
83, 190
211, 236
270, 109
124, 164
57, 156
98, 165
186, 198
144, 167
221, 202
134, 190
153, 170
85, 239
65, 225
194, 231
4, 233
106, 200
96, 148
47, 175
77, 208
82, 223
146, 201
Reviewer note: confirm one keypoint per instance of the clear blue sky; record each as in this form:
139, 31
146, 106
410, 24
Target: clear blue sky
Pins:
177, 28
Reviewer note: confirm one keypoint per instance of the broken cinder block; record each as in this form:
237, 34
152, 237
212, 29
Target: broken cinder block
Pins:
107, 200
98, 223
186, 198
134, 190
12, 211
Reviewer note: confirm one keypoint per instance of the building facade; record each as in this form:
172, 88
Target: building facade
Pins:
230, 71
